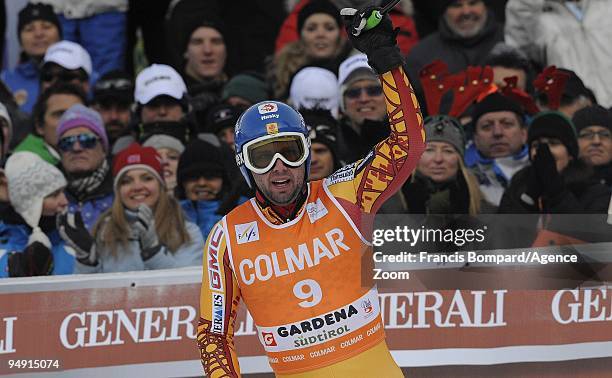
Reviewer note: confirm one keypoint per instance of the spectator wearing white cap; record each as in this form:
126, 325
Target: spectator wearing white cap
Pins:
28, 225
362, 103
51, 104
66, 62
98, 25
37, 28
314, 87
162, 105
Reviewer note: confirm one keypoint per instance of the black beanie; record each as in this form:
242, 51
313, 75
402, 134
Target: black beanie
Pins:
200, 158
553, 124
189, 26
221, 116
595, 115
318, 6
496, 102
37, 11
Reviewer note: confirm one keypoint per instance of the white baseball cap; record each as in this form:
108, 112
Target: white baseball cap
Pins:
69, 55
352, 64
158, 80
315, 86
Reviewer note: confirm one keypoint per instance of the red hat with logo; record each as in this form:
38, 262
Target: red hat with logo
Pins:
137, 157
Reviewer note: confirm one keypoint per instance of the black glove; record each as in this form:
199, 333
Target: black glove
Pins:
377, 43
417, 194
459, 195
75, 234
147, 232
35, 260
546, 171
534, 188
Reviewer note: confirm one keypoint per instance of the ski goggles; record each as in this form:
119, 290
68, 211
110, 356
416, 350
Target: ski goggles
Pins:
260, 155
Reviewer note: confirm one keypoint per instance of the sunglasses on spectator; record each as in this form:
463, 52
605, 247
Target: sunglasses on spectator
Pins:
86, 141
371, 90
590, 135
114, 84
63, 76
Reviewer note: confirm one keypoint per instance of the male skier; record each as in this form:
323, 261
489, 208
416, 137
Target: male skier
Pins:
299, 253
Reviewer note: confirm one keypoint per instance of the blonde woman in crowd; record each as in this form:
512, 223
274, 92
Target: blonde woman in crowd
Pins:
144, 229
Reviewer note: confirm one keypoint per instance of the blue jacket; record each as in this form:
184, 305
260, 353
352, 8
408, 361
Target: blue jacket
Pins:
14, 238
23, 81
204, 213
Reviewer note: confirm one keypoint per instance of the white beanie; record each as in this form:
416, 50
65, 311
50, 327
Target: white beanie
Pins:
315, 87
30, 180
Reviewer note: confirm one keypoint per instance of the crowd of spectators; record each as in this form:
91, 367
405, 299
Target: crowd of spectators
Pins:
109, 166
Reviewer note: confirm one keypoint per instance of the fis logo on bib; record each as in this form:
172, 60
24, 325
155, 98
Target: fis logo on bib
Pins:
247, 232
268, 338
267, 108
316, 210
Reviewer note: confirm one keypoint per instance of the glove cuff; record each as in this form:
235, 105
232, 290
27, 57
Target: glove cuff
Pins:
386, 58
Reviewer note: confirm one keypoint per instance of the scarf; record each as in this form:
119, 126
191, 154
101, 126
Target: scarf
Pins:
83, 186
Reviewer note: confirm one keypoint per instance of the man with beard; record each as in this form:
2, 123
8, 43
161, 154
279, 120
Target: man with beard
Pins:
467, 32
83, 147
113, 96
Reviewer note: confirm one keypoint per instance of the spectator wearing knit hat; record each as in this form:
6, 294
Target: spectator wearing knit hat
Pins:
170, 150
28, 226
594, 129
556, 181
498, 150
221, 120
314, 87
83, 146
50, 106
144, 229
203, 69
245, 89
37, 28
322, 128
67, 62
442, 184
204, 187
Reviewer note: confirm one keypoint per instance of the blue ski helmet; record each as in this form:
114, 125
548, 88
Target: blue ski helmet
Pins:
263, 119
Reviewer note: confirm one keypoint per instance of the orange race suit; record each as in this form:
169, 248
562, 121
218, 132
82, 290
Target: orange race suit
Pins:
307, 282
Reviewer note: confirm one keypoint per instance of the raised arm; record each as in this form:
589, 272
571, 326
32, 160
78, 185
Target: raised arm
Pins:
368, 183
219, 299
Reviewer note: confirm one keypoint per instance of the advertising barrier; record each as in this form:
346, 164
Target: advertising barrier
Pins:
145, 323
